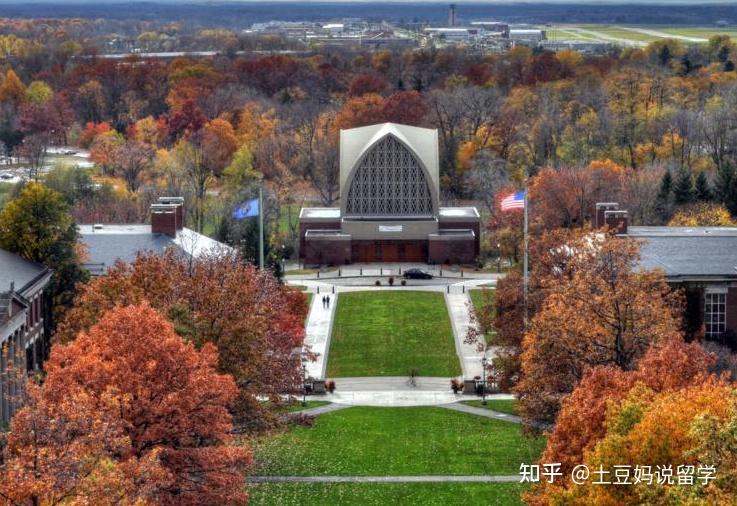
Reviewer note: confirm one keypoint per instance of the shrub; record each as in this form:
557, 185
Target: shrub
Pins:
404, 282
377, 283
330, 386
456, 385
391, 280
301, 419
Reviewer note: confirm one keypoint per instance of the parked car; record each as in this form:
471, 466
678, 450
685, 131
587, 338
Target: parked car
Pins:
415, 273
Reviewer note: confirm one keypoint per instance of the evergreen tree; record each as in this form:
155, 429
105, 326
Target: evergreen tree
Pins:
664, 200
683, 190
725, 188
702, 188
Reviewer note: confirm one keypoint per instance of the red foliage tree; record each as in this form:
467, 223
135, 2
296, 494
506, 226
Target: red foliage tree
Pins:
367, 83
129, 392
206, 300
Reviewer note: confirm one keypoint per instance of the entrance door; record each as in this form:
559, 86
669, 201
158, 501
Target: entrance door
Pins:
366, 252
390, 252
413, 252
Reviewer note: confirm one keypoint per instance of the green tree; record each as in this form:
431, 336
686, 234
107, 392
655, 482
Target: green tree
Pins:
725, 188
240, 172
664, 200
683, 190
37, 225
702, 188
38, 92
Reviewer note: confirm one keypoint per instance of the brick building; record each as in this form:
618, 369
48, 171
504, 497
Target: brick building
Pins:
389, 205
701, 260
23, 326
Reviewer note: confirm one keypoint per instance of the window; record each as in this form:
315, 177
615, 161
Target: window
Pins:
715, 314
389, 182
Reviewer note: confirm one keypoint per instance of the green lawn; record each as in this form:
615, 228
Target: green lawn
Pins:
508, 406
390, 333
381, 494
365, 441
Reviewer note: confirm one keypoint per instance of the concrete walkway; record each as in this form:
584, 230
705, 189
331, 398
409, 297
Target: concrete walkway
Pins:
317, 334
385, 479
487, 413
320, 410
459, 309
392, 391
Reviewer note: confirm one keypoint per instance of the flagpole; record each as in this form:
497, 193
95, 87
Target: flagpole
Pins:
524, 262
260, 227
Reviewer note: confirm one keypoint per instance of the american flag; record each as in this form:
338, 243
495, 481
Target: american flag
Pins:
513, 201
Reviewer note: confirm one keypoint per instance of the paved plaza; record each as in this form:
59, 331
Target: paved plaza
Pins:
392, 391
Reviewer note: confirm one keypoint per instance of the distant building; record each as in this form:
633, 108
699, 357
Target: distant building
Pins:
529, 35
107, 244
389, 206
452, 15
452, 34
334, 28
23, 326
701, 260
582, 46
492, 27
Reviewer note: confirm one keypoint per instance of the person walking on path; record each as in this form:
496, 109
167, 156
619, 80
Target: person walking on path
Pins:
328, 296
324, 302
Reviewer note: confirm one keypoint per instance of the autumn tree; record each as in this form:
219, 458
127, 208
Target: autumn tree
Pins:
599, 309
38, 226
581, 421
128, 413
692, 425
131, 160
701, 214
367, 83
567, 197
205, 301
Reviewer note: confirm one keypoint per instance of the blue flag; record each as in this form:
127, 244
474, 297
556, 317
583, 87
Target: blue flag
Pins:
246, 209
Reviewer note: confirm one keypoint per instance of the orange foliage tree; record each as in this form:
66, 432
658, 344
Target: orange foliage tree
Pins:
581, 421
406, 107
684, 431
128, 413
599, 309
253, 320
567, 197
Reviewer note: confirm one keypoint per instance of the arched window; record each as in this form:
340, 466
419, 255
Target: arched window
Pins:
389, 182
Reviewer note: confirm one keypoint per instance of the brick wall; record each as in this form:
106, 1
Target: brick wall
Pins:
470, 225
326, 252
454, 252
732, 310
304, 227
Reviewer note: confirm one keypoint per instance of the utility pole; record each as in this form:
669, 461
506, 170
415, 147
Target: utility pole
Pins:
261, 226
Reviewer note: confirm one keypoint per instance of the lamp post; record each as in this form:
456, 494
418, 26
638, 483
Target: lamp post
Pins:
304, 381
484, 362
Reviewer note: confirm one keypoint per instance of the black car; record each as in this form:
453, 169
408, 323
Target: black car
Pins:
416, 274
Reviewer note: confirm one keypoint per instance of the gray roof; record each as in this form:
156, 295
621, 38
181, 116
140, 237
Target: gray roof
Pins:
103, 250
688, 252
17, 270
107, 244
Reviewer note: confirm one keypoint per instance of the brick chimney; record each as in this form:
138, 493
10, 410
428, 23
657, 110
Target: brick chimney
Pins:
601, 208
179, 202
164, 219
616, 221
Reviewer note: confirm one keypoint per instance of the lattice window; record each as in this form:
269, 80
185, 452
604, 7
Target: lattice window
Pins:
715, 314
389, 182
